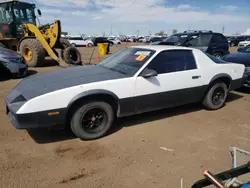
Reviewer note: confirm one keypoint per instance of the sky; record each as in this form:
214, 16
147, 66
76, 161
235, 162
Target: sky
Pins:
146, 16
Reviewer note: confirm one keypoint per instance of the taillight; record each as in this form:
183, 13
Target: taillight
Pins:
5, 27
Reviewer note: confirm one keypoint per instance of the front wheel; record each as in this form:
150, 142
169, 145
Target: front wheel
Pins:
92, 120
216, 96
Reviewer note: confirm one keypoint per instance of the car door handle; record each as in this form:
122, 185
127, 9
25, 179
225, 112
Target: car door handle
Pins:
196, 77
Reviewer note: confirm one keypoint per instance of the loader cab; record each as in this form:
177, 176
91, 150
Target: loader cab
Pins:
12, 15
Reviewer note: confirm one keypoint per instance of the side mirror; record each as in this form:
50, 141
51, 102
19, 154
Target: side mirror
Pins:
39, 12
147, 73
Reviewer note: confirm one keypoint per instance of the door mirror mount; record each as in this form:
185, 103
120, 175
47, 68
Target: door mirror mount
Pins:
147, 73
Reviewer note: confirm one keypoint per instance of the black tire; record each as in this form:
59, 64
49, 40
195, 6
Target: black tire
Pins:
217, 54
64, 42
90, 45
72, 56
37, 50
86, 132
216, 96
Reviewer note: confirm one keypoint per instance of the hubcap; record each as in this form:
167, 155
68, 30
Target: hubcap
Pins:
94, 120
27, 53
218, 96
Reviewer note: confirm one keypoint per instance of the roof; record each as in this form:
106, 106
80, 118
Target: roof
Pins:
11, 1
162, 47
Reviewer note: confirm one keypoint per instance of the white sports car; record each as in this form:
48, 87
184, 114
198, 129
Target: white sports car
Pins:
134, 80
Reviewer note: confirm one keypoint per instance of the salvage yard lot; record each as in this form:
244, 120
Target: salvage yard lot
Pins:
148, 150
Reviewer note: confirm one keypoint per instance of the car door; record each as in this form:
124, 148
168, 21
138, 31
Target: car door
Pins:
178, 82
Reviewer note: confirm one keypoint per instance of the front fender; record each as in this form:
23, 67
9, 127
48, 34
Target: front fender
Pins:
94, 92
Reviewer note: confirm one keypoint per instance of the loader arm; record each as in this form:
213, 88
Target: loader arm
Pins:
42, 38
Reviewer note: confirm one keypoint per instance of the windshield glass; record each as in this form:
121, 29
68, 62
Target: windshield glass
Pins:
177, 38
5, 14
127, 61
24, 13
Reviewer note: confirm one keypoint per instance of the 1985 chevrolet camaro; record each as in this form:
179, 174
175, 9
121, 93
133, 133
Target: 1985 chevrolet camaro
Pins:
133, 80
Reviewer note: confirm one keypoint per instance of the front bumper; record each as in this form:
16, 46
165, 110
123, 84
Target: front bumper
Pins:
18, 69
36, 119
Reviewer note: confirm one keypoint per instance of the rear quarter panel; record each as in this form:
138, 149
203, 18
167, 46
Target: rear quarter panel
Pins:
209, 69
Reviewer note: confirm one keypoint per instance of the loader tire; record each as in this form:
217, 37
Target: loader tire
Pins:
65, 43
33, 52
72, 56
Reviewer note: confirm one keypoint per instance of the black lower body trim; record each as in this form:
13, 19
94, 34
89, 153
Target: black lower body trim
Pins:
157, 101
46, 119
238, 83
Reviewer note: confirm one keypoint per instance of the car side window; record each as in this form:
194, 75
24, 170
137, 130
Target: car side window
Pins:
200, 40
219, 39
173, 61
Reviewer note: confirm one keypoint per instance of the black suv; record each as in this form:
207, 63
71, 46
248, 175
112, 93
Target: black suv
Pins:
212, 43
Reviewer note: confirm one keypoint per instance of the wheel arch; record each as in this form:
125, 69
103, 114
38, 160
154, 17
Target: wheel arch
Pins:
221, 77
95, 95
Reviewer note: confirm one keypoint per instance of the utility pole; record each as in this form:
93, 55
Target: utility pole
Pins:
111, 33
223, 29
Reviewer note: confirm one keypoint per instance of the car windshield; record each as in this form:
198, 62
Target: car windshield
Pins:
127, 61
177, 38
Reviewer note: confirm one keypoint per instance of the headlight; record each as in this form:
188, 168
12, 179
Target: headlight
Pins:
19, 98
4, 62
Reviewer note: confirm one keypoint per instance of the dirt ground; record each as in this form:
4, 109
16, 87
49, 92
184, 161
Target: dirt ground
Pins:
149, 150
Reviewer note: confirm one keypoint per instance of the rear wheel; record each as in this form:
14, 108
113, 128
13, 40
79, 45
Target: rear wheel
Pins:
72, 56
33, 52
92, 120
216, 96
217, 54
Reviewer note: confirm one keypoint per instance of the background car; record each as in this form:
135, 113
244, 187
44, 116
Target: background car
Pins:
115, 40
243, 44
212, 43
12, 63
234, 41
240, 57
79, 41
97, 40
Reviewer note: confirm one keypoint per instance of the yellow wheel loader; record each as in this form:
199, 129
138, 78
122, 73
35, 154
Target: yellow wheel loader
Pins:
19, 31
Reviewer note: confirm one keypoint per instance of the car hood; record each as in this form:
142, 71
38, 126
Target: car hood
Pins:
43, 83
7, 53
238, 57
